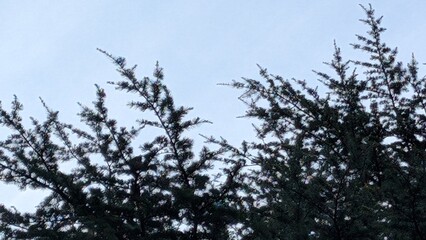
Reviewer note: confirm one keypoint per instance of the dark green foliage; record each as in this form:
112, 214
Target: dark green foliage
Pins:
345, 163
118, 189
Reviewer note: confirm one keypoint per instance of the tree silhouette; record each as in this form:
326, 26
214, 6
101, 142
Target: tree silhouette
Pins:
348, 162
119, 189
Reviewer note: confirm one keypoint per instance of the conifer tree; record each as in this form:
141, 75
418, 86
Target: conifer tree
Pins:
119, 189
347, 164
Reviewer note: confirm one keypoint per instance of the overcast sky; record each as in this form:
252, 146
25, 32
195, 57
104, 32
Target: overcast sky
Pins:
48, 50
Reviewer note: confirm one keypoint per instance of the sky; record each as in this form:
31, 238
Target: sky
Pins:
48, 50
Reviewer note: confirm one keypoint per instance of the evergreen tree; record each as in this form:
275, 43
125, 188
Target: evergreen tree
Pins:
347, 164
119, 189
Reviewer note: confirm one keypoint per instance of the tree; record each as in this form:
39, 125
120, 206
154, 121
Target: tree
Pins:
347, 164
119, 189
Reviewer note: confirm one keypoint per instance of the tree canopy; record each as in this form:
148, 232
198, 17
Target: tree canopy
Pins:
348, 162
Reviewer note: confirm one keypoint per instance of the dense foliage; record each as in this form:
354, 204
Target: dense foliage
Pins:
118, 190
345, 163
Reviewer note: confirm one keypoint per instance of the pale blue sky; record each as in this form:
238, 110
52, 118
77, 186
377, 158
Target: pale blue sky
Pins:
48, 50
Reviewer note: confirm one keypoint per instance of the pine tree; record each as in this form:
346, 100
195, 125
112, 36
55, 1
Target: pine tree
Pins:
347, 164
120, 188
